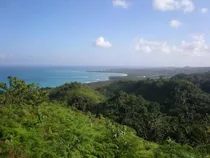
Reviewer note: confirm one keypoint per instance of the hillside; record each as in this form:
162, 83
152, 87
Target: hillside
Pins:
52, 130
76, 95
163, 108
200, 79
33, 126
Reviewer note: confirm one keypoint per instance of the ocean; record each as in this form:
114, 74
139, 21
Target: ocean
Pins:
52, 76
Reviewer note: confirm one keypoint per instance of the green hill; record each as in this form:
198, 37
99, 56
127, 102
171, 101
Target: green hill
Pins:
165, 109
53, 130
77, 95
33, 126
200, 79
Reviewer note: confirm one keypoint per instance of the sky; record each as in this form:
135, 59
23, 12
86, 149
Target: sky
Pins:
105, 32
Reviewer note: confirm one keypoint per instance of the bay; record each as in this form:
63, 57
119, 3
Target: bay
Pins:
52, 76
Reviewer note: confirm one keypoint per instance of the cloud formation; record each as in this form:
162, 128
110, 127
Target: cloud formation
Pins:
204, 10
120, 3
196, 47
100, 42
175, 23
170, 5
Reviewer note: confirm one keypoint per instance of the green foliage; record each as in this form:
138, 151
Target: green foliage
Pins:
52, 130
18, 92
174, 109
174, 150
201, 79
137, 113
77, 95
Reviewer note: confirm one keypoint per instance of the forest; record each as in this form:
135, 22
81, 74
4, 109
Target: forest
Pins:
148, 118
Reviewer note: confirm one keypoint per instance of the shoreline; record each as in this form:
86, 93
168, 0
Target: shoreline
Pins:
100, 83
110, 75
110, 78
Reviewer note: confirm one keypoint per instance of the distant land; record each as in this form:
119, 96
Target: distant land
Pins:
142, 73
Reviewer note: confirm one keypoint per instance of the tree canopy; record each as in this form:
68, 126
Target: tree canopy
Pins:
18, 92
118, 120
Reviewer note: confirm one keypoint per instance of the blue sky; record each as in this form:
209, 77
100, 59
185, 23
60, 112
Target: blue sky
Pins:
105, 32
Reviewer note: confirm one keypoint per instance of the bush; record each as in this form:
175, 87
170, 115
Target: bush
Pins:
18, 92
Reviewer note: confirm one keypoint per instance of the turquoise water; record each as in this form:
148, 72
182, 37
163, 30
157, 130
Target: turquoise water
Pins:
55, 76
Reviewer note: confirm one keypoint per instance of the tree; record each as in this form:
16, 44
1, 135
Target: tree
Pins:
18, 92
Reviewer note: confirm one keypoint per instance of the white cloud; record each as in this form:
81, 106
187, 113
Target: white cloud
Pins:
100, 42
169, 5
146, 46
120, 3
175, 23
204, 10
196, 47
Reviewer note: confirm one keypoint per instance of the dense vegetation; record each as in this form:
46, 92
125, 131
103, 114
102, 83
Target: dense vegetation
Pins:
76, 95
158, 110
18, 92
200, 79
33, 126
175, 109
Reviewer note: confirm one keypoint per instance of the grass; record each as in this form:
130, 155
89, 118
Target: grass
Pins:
52, 130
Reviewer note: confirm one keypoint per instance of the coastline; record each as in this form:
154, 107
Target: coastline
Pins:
109, 79
94, 82
100, 83
55, 76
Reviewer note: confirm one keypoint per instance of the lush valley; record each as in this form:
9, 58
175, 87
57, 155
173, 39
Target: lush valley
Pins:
175, 109
145, 118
